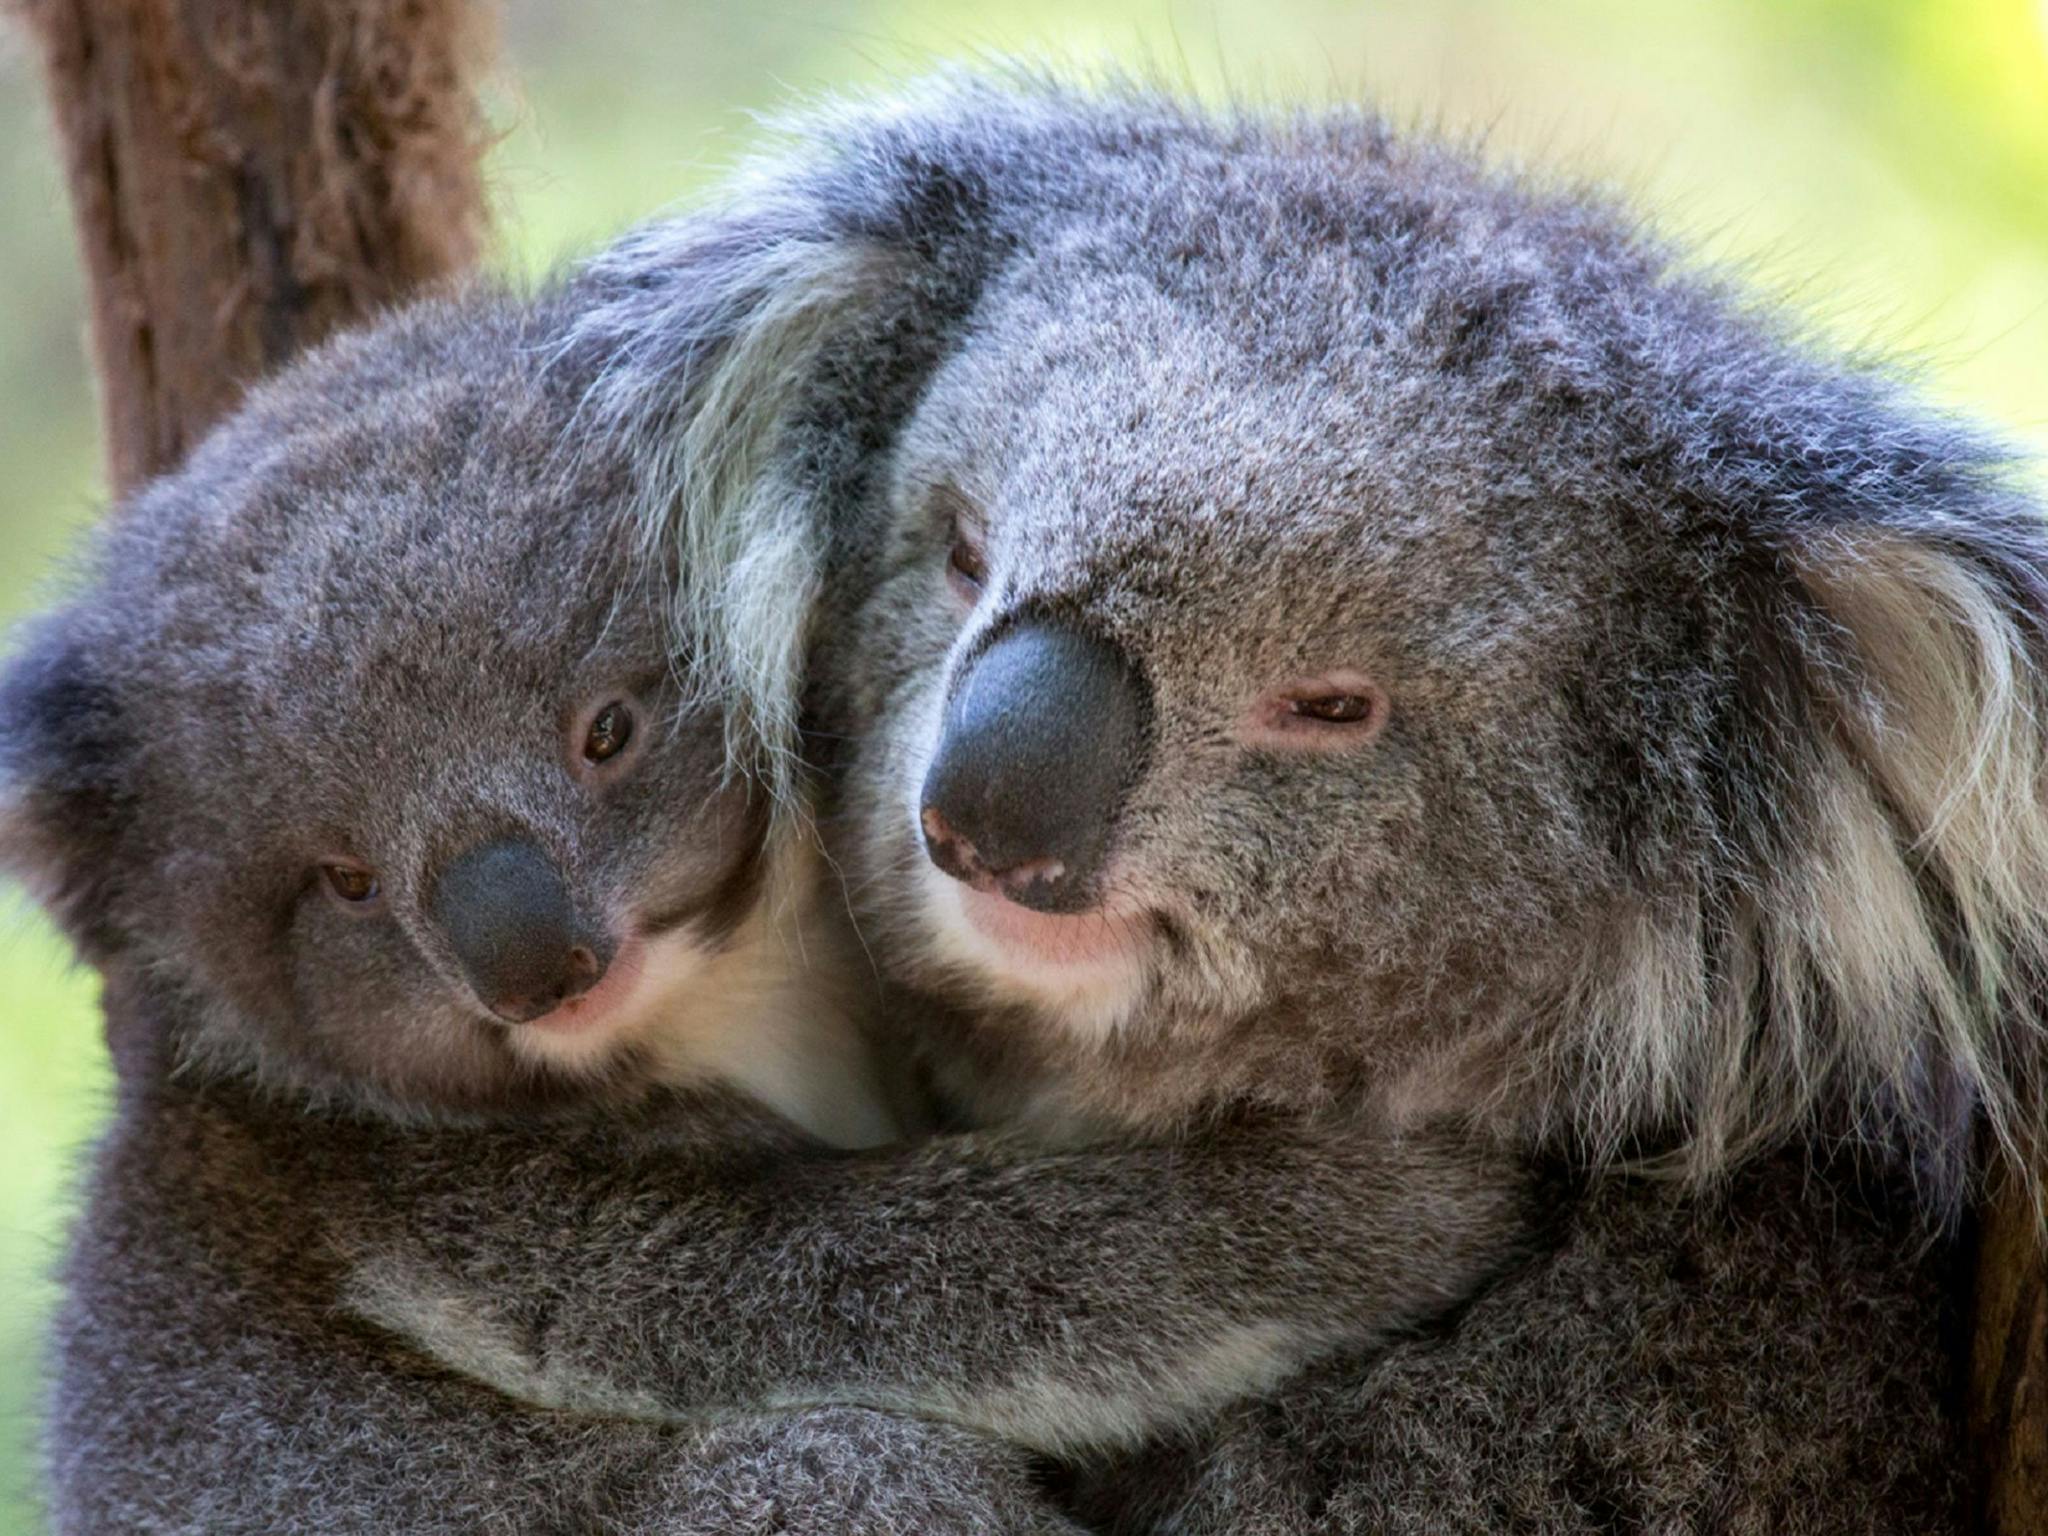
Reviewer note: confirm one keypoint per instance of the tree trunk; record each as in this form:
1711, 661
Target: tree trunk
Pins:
2008, 1390
249, 176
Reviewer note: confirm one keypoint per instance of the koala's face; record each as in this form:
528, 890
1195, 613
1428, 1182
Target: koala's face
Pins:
369, 741
1220, 692
1276, 614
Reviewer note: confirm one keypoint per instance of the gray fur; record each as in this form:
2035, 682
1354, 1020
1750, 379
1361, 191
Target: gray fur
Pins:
1758, 1363
356, 1255
1707, 826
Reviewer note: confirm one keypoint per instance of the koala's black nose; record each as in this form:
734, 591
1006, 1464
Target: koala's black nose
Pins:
509, 917
1044, 734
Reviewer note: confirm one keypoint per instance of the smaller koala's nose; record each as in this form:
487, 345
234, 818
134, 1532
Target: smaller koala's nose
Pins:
509, 917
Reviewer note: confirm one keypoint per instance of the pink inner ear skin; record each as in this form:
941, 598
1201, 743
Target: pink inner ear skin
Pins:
1334, 711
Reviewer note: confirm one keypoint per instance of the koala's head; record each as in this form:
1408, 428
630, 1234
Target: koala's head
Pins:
364, 737
1288, 581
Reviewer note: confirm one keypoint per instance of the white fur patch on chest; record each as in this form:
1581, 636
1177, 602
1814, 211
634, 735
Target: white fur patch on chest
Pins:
769, 1013
767, 1024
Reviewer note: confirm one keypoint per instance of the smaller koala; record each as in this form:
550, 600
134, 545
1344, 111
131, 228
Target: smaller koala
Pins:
446, 954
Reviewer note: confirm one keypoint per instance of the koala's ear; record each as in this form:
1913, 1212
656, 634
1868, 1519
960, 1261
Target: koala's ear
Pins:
745, 356
1901, 912
710, 360
65, 763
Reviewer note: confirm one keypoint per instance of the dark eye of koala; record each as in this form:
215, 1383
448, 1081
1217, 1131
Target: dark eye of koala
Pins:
611, 728
1336, 708
352, 883
1334, 711
966, 566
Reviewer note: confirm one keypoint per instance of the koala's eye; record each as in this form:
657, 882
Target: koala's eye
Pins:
603, 741
966, 567
1336, 708
611, 728
1328, 713
353, 884
954, 512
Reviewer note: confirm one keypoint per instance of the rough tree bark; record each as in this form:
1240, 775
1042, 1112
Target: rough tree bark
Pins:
249, 176
2008, 1367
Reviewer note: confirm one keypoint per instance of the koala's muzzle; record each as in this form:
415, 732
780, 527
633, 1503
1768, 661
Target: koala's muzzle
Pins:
508, 915
1043, 736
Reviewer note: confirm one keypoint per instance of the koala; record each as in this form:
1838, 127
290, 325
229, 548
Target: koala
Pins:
1292, 618
445, 953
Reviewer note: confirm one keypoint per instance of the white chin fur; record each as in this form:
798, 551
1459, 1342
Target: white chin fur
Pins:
1090, 998
670, 969
763, 1013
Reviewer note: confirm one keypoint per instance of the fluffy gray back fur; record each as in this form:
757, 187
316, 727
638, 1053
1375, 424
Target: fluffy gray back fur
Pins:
1708, 813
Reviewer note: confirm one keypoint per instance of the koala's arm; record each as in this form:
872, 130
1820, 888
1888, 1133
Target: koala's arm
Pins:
1059, 1299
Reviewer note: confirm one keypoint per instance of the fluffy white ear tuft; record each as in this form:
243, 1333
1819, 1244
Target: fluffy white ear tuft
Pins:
1923, 915
1873, 962
727, 491
709, 333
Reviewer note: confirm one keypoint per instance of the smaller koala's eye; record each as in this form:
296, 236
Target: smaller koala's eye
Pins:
611, 728
966, 566
1335, 708
352, 883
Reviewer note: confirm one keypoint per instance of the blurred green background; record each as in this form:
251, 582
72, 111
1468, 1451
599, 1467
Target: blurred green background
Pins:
1882, 162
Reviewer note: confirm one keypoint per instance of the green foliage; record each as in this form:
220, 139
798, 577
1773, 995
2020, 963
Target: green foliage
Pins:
1884, 162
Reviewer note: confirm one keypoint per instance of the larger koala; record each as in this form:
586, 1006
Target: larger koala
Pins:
1297, 618
446, 957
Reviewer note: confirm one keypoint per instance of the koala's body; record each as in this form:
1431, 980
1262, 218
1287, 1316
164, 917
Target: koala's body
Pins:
467, 1006
1297, 618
